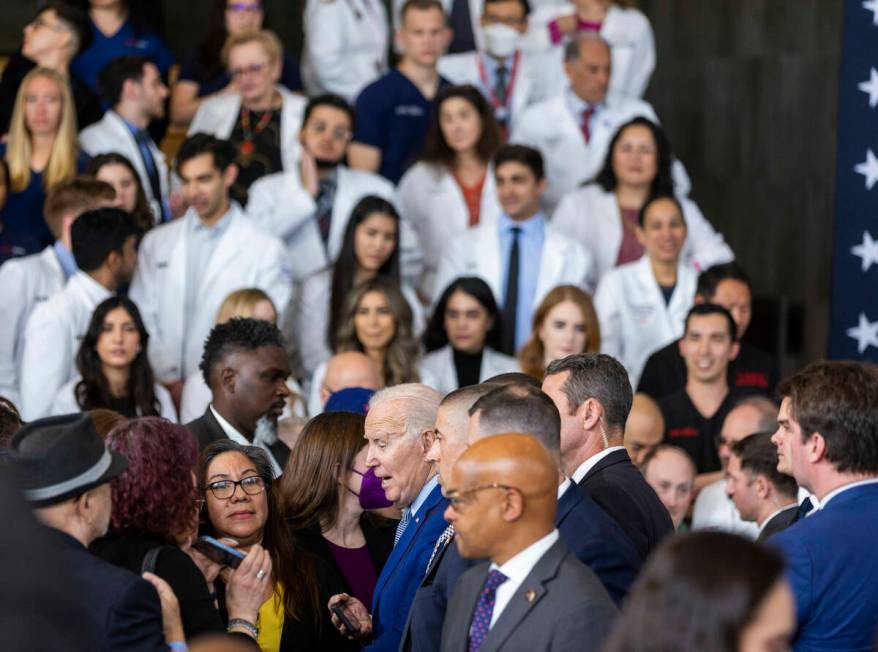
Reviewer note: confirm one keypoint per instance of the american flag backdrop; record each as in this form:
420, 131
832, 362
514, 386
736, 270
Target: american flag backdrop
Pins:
854, 317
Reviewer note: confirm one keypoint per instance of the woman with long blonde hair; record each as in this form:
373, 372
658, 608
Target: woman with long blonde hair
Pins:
40, 153
564, 323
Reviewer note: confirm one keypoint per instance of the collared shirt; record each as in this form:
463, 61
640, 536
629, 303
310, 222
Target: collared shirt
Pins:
773, 514
832, 494
233, 434
563, 487
530, 252
517, 569
65, 259
589, 464
576, 105
422, 496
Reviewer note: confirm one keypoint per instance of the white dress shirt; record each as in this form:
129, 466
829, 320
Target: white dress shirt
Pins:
589, 464
238, 438
832, 494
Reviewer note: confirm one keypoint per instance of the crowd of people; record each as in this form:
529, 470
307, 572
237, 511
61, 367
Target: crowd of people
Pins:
438, 356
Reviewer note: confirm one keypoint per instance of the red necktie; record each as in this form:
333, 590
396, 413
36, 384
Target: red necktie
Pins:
586, 117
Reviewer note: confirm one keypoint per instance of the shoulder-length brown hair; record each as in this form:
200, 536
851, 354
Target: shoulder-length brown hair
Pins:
402, 352
531, 355
142, 209
439, 152
326, 450
62, 158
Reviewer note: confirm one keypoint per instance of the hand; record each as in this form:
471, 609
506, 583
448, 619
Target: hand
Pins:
249, 585
172, 623
178, 204
308, 174
355, 611
567, 24
208, 567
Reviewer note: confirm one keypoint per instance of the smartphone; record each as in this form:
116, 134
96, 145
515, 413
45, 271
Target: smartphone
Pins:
339, 611
219, 552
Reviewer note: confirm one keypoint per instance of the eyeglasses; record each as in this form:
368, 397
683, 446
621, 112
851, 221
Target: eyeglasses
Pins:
459, 499
320, 128
39, 22
225, 489
252, 69
244, 6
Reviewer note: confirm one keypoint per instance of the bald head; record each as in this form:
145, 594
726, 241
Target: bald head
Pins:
671, 472
348, 369
644, 428
751, 415
503, 493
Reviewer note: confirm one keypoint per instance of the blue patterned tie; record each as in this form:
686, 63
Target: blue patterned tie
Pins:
402, 525
443, 540
484, 609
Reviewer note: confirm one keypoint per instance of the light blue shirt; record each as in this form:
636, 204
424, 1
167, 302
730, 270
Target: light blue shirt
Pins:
530, 252
576, 105
491, 66
432, 483
65, 259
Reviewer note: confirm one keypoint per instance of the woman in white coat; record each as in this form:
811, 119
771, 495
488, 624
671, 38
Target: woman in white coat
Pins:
370, 248
462, 338
114, 370
603, 215
642, 305
452, 187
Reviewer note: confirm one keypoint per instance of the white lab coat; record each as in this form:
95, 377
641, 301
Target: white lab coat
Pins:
315, 405
476, 252
311, 319
437, 368
634, 319
433, 204
591, 215
346, 43
538, 77
281, 205
197, 396
24, 283
217, 116
714, 510
65, 401
245, 257
52, 338
627, 30
569, 160
111, 134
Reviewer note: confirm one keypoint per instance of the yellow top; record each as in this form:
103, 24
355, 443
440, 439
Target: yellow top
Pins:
271, 621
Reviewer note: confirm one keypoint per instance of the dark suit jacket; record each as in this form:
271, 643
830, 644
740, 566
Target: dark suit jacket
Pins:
598, 541
208, 430
403, 572
778, 523
560, 606
619, 488
833, 569
123, 608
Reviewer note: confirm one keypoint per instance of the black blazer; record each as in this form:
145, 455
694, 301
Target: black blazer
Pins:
620, 489
208, 430
779, 522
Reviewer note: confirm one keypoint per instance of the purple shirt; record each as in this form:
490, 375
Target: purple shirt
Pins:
358, 569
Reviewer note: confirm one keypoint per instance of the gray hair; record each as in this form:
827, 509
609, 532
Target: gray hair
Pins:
598, 376
520, 408
766, 408
573, 49
420, 409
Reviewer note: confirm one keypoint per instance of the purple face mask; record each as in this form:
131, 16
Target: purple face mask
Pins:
371, 494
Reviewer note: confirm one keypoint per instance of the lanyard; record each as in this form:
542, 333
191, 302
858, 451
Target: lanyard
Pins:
483, 75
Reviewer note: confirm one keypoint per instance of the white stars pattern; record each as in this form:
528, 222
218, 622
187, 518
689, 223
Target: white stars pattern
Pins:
869, 167
866, 334
871, 87
867, 251
872, 5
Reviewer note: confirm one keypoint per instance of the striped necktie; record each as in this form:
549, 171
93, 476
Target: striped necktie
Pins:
402, 525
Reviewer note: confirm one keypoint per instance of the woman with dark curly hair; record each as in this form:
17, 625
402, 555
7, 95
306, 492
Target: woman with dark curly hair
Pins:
155, 513
114, 369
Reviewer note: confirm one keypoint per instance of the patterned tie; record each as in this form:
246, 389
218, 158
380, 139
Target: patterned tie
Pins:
443, 540
510, 297
804, 509
586, 123
402, 525
324, 200
484, 609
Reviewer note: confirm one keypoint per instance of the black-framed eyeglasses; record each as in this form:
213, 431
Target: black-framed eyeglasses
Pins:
225, 489
459, 498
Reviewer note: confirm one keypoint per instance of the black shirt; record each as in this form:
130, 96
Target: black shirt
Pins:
262, 130
468, 367
752, 372
687, 428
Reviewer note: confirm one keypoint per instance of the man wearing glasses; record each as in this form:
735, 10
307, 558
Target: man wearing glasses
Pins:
533, 593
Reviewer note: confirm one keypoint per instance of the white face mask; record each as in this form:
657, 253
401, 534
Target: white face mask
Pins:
501, 40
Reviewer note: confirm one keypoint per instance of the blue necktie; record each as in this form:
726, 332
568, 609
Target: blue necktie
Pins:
484, 610
142, 140
510, 296
402, 525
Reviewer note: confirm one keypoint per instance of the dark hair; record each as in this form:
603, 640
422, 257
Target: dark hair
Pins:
520, 408
702, 309
663, 183
142, 209
435, 336
345, 268
208, 62
155, 494
291, 565
421, 5
326, 449
143, 16
222, 151
759, 455
93, 391
514, 378
523, 154
331, 100
75, 18
238, 333
113, 76
10, 421
97, 233
641, 216
598, 376
437, 150
697, 592
524, 3
837, 399
709, 279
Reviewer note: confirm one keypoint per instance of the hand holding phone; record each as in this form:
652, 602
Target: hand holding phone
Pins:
350, 626
218, 551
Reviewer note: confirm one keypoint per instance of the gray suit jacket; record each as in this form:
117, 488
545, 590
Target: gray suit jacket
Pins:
560, 606
780, 522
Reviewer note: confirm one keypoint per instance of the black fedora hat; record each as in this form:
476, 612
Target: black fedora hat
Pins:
57, 458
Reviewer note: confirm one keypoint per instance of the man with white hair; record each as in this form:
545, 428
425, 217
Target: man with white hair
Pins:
400, 430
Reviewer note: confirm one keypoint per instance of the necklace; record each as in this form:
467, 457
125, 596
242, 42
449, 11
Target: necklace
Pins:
247, 147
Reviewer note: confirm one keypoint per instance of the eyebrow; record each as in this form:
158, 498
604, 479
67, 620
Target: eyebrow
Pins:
226, 475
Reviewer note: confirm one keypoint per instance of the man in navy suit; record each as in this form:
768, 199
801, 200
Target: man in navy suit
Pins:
593, 394
828, 440
399, 432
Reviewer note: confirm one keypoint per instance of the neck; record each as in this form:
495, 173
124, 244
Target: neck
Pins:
117, 379
109, 14
468, 160
57, 60
593, 444
665, 272
772, 505
424, 77
827, 479
324, 171
592, 10
244, 545
525, 214
361, 275
707, 395
262, 103
520, 540
104, 277
41, 144
346, 530
631, 196
377, 357
226, 412
212, 218
132, 114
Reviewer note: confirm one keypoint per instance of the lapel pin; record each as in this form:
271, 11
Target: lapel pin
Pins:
530, 596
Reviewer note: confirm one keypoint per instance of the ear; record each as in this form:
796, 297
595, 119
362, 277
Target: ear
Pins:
428, 436
449, 36
227, 379
541, 186
641, 235
512, 506
680, 346
230, 174
734, 351
763, 489
113, 260
816, 448
128, 89
590, 413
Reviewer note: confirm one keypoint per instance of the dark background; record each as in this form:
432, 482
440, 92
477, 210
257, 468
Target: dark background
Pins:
747, 90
